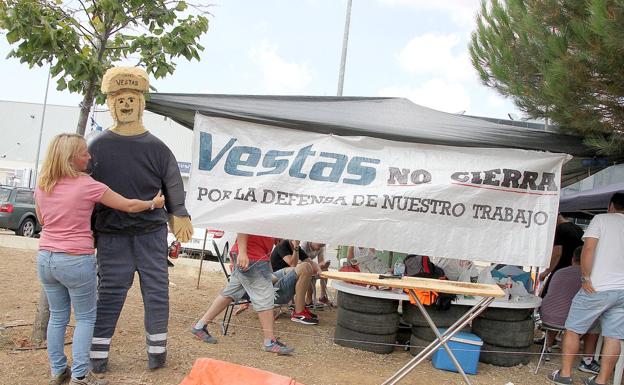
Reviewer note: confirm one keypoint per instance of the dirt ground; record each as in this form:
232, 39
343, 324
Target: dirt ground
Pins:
317, 360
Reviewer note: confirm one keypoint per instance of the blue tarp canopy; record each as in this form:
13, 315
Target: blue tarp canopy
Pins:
589, 202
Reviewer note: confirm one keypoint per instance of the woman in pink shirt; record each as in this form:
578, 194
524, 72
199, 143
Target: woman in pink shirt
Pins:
66, 265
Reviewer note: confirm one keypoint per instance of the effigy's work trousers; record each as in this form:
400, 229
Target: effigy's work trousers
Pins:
119, 256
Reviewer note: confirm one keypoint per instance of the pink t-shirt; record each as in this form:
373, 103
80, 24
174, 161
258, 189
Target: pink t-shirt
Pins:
66, 214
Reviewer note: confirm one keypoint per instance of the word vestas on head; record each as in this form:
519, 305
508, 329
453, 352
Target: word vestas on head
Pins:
246, 161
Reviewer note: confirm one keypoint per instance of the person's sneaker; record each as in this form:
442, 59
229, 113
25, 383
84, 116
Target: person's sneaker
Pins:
590, 381
278, 347
310, 314
556, 378
303, 318
203, 334
593, 367
324, 300
547, 354
89, 379
60, 378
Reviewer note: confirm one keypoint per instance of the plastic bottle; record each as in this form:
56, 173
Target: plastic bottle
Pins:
509, 282
508, 286
399, 268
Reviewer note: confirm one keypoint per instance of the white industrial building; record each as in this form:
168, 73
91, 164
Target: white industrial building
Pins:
21, 123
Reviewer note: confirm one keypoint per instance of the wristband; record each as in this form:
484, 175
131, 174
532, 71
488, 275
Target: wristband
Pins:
152, 205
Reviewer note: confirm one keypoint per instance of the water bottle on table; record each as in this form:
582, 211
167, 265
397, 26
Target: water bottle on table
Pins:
399, 268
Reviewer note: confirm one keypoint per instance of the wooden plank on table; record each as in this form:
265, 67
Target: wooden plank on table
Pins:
439, 285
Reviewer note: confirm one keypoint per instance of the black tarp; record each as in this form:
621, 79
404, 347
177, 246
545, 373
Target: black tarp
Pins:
386, 118
589, 201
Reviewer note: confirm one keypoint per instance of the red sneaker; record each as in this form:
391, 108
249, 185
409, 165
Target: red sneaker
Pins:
303, 318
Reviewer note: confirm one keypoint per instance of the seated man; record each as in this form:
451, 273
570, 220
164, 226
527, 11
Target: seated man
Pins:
251, 275
565, 283
287, 254
292, 283
316, 251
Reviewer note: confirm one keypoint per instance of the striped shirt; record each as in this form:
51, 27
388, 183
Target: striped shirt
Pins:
564, 285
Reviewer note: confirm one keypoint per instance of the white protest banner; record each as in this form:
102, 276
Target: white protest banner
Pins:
484, 204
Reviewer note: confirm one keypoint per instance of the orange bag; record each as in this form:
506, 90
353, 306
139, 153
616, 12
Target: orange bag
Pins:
426, 297
207, 371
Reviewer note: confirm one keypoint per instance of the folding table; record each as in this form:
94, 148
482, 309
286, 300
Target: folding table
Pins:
413, 284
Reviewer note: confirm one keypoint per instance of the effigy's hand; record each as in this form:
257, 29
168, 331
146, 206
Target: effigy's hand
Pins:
181, 227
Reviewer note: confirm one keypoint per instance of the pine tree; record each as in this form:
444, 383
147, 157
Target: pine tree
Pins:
557, 59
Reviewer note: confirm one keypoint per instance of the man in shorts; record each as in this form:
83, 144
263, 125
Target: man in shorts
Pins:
252, 274
601, 296
287, 255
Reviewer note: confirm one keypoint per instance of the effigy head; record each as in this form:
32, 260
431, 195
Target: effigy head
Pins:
124, 87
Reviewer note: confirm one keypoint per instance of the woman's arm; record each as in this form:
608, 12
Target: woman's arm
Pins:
118, 202
39, 217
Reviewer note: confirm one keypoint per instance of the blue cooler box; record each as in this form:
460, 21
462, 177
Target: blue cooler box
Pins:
465, 346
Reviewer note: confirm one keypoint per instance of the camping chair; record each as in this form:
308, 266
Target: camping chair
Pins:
227, 317
546, 329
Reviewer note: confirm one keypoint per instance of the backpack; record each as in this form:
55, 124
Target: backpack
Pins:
421, 266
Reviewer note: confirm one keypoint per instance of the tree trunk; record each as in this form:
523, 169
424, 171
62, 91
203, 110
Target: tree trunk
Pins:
40, 326
85, 108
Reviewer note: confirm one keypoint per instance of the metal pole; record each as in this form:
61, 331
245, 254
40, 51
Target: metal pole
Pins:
45, 104
345, 43
201, 259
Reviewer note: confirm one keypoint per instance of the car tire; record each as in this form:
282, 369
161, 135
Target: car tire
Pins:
381, 324
441, 318
516, 334
26, 228
426, 334
368, 305
376, 343
502, 314
417, 345
503, 356
404, 334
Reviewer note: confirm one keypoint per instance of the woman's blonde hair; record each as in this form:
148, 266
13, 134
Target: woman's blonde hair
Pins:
58, 161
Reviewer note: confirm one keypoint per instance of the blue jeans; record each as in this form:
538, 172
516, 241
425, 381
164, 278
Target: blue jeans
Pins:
66, 280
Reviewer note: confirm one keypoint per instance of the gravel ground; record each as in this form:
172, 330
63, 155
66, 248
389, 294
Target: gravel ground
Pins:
317, 360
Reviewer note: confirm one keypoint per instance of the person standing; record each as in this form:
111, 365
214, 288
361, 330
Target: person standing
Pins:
602, 294
568, 236
64, 199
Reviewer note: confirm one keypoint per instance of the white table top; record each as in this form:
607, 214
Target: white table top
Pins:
527, 303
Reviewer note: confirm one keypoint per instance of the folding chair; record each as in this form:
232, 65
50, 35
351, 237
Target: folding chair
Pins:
227, 317
546, 329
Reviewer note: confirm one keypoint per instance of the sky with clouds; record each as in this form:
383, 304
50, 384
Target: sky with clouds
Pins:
409, 48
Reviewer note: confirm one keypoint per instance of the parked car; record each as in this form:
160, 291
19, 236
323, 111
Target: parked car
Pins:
17, 211
193, 248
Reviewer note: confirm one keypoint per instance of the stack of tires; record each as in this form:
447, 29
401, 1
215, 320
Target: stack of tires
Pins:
507, 336
422, 334
367, 323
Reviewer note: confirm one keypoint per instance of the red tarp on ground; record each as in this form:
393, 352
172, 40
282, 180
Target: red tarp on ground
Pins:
207, 371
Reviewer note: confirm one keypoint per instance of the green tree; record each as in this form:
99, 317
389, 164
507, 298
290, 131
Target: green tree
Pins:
557, 59
81, 39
